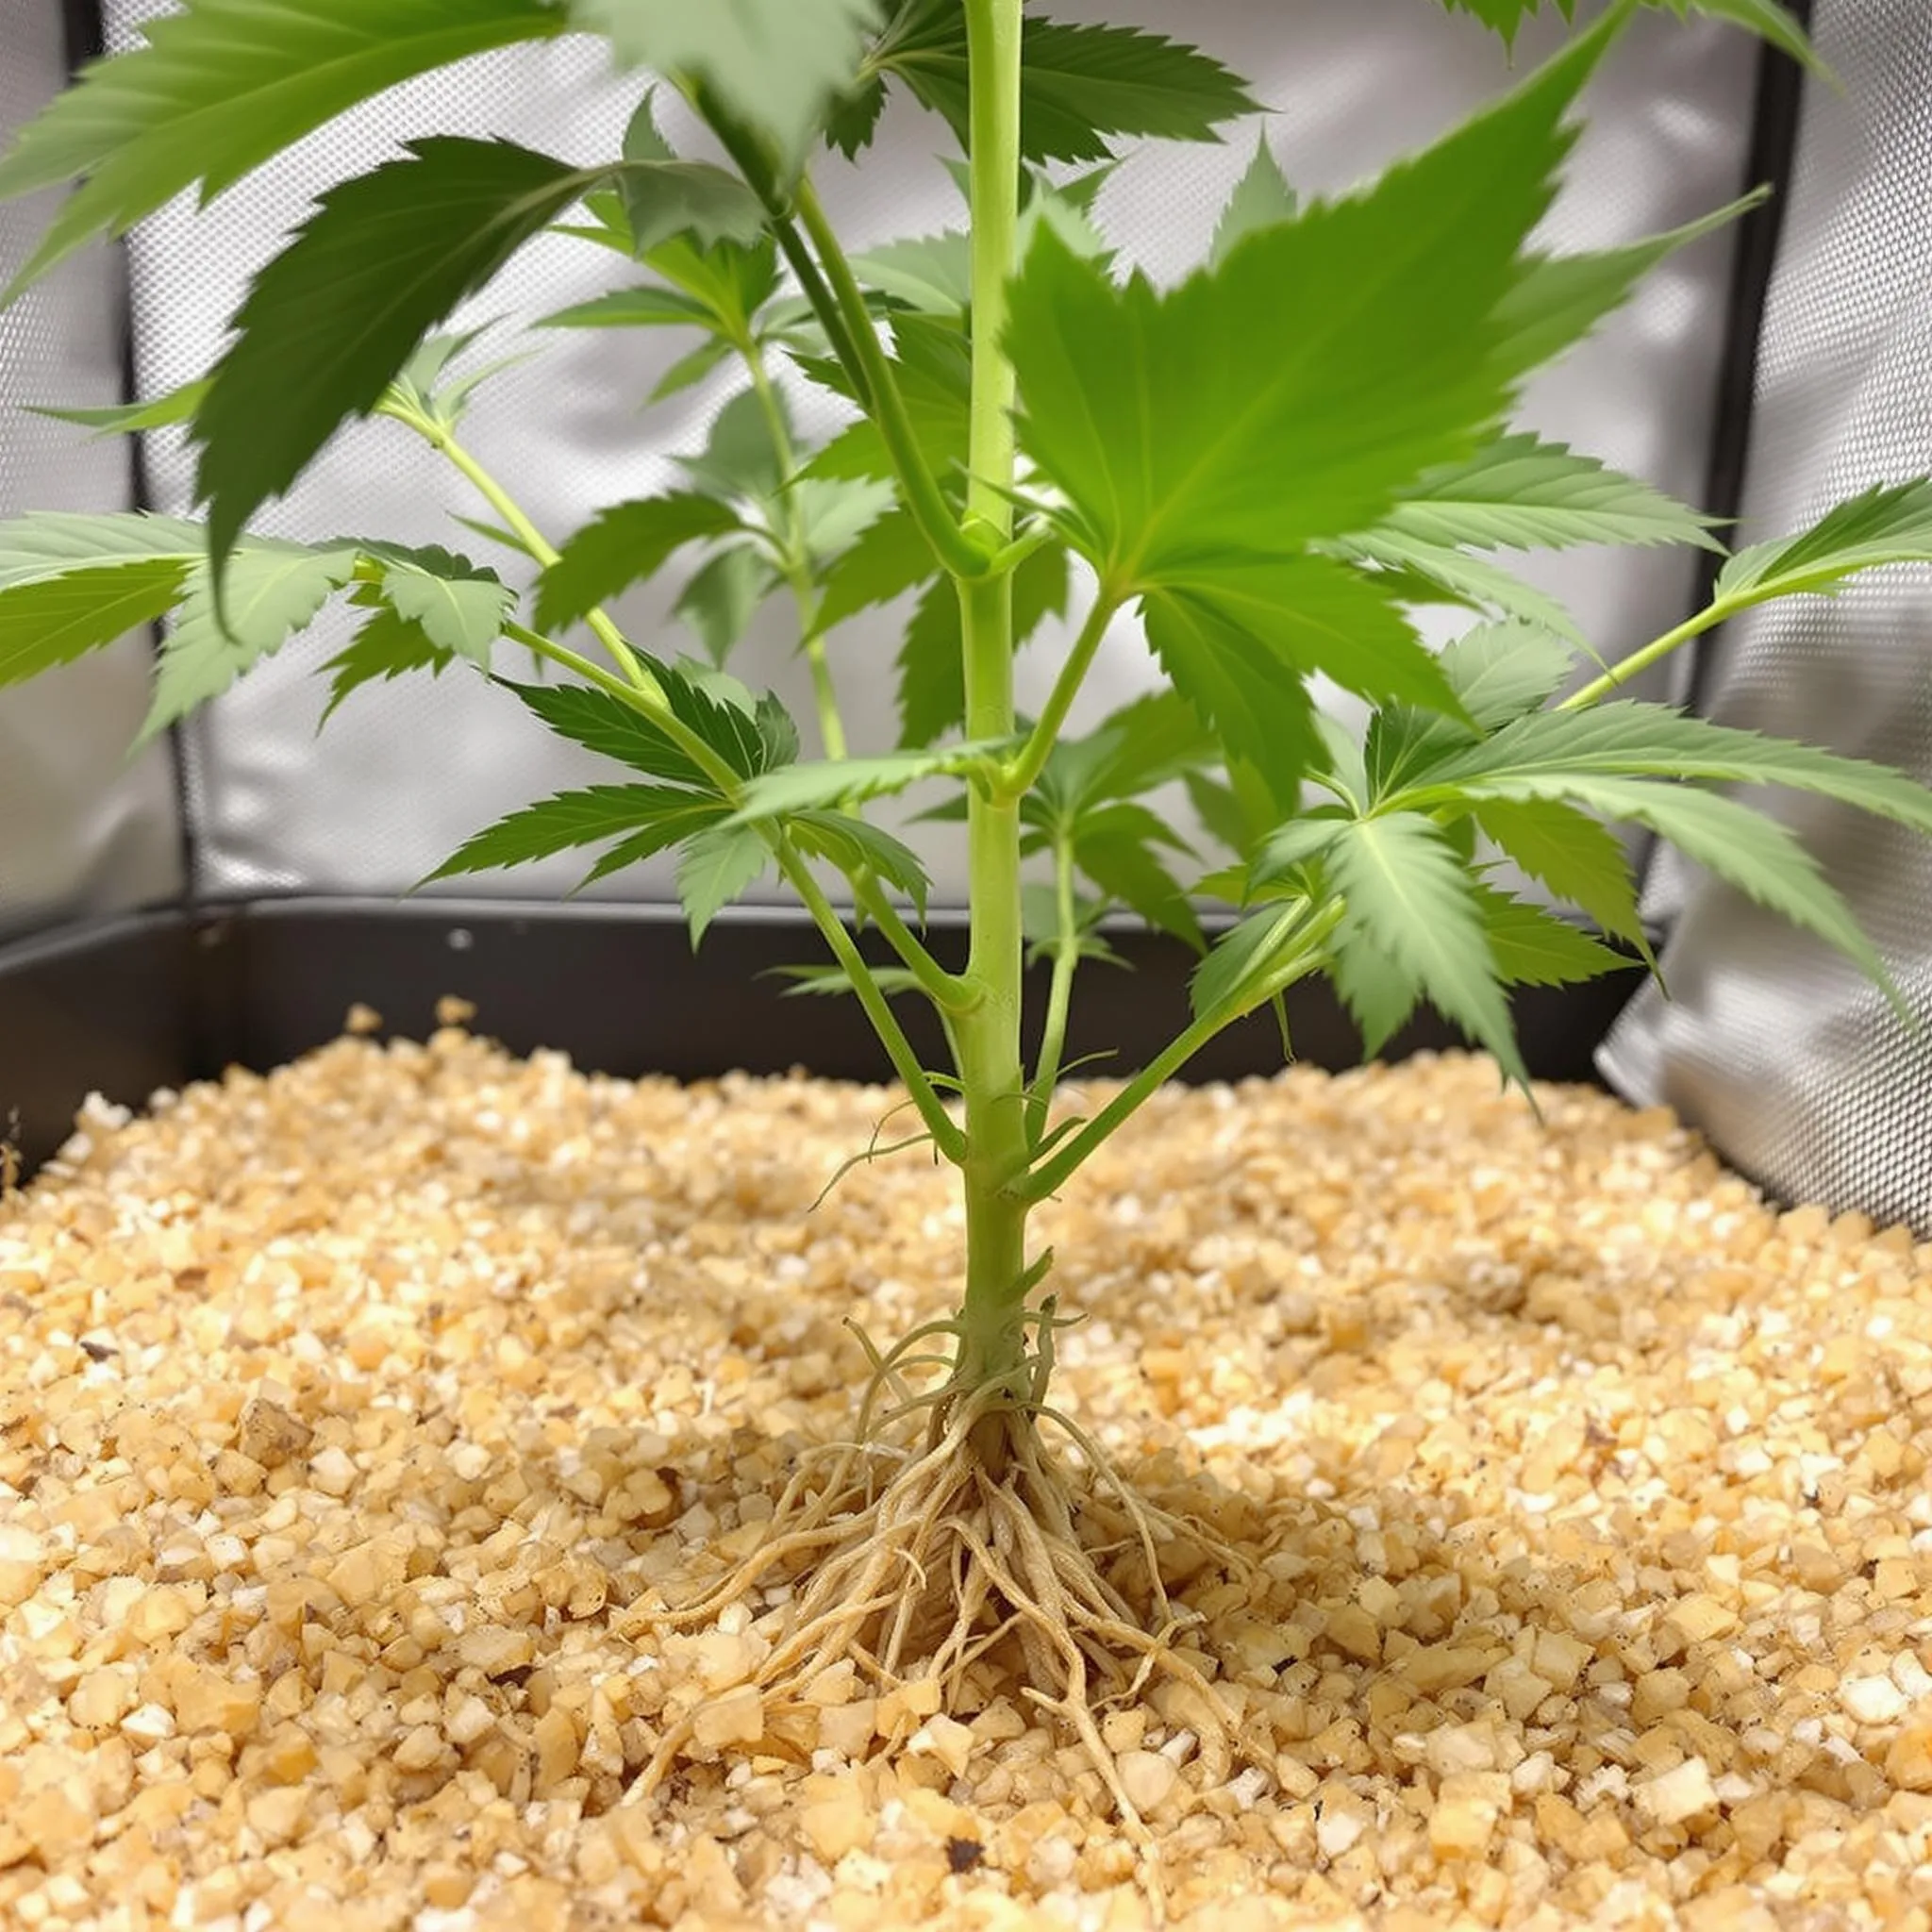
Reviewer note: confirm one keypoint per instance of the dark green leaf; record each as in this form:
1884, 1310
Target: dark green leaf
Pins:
272, 591
1889, 523
1765, 17
1261, 198
832, 512
854, 846
177, 405
1114, 845
70, 584
221, 86
720, 864
890, 558
779, 64
931, 660
1411, 907
1522, 493
691, 369
1532, 948
833, 978
777, 733
460, 607
599, 722
732, 280
1079, 85
1575, 855
621, 546
1143, 744
667, 199
387, 646
932, 367
571, 819
384, 257
1286, 395
740, 460
720, 599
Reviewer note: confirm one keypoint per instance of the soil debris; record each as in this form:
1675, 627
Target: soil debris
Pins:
357, 1424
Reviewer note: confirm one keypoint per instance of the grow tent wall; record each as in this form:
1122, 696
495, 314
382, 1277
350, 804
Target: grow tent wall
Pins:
230, 891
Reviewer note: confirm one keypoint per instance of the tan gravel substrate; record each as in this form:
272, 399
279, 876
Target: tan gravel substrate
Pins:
351, 1418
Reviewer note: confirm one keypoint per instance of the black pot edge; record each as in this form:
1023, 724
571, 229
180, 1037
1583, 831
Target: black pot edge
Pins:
123, 1005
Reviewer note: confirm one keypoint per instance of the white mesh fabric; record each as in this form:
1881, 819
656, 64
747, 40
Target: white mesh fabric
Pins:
407, 774
80, 829
1779, 1049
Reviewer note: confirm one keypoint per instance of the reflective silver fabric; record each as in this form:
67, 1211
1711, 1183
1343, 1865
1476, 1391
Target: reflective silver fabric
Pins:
80, 829
410, 770
1793, 1064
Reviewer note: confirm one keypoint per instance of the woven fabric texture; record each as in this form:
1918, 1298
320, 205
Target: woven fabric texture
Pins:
1797, 1068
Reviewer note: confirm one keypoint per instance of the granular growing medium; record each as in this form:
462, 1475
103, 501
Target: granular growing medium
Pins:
357, 1426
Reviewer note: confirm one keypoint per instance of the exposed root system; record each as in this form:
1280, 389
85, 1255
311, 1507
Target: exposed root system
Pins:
915, 1562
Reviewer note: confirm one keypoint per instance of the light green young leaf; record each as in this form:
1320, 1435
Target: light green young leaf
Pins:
70, 584
1287, 396
621, 546
384, 257
219, 87
570, 819
161, 412
1501, 671
890, 558
387, 646
460, 607
738, 461
691, 369
1143, 744
722, 595
932, 661
1559, 298
779, 64
1767, 18
854, 846
732, 279
272, 591
1411, 905
833, 514
1532, 948
846, 781
831, 977
721, 863
1888, 523
645, 306
932, 272
1261, 199
1414, 566
1522, 493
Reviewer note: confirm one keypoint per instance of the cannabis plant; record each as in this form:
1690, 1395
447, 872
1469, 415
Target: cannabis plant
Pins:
1266, 468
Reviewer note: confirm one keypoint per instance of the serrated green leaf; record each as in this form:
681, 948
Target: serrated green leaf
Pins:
1260, 955
1889, 523
833, 514
1573, 854
932, 367
1079, 85
1411, 905
384, 257
691, 369
721, 597
621, 546
219, 86
1532, 948
807, 981
570, 819
272, 591
890, 558
1287, 396
777, 733
460, 607
1261, 198
645, 306
932, 272
720, 864
1559, 298
70, 584
1455, 577
1522, 493
1143, 744
667, 199
740, 461
1766, 18
847, 781
1114, 845
931, 661
1630, 740
778, 64
1502, 671
117, 418
387, 646
854, 846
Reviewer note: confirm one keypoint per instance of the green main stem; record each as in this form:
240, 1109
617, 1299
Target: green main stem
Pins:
992, 1316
